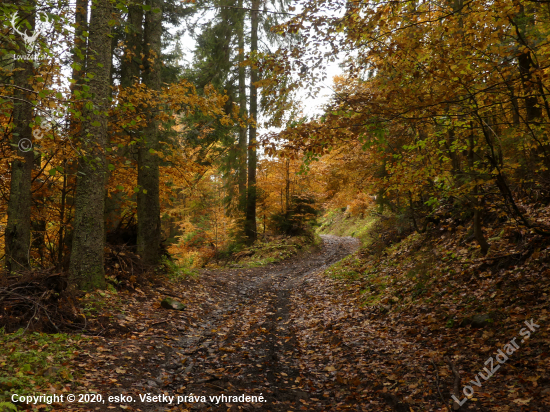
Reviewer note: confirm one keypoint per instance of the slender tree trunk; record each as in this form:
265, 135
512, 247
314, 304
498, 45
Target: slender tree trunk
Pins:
287, 184
130, 71
87, 258
61, 243
70, 166
477, 224
18, 228
526, 67
130, 74
478, 228
250, 224
38, 224
148, 202
242, 152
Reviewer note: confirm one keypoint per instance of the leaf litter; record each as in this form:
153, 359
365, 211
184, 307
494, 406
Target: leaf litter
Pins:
305, 335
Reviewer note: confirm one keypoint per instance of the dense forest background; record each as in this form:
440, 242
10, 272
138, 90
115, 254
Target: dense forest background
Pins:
110, 141
101, 123
442, 110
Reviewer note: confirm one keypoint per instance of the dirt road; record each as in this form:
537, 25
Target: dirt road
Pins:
241, 343
247, 346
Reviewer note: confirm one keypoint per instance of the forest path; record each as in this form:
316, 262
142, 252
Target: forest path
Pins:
248, 346
283, 333
284, 337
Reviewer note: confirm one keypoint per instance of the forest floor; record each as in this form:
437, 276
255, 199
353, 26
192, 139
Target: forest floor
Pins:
244, 332
334, 329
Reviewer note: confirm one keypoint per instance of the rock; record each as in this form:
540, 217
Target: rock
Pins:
385, 308
50, 372
169, 303
478, 321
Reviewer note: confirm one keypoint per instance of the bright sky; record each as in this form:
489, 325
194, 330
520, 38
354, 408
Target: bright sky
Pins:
312, 106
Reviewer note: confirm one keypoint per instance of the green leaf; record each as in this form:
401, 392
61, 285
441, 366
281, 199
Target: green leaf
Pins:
144, 191
8, 406
122, 7
120, 187
146, 7
111, 167
52, 172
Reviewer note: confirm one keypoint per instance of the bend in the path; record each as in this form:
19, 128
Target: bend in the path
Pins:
248, 344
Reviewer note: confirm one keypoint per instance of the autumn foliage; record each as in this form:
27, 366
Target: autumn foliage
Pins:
447, 101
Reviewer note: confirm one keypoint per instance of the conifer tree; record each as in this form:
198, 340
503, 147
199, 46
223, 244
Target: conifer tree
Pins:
87, 256
18, 228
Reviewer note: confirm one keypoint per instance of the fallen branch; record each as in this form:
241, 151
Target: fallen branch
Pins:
456, 384
437, 385
160, 322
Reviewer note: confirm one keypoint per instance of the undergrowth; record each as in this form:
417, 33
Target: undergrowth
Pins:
35, 363
443, 296
177, 271
442, 271
274, 249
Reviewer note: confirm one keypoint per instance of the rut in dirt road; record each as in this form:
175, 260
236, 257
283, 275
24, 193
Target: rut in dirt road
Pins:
247, 346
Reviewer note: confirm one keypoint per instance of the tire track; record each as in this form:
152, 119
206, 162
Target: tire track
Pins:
248, 344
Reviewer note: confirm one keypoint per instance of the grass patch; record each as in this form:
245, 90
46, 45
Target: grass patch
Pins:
348, 268
177, 272
335, 222
34, 363
275, 250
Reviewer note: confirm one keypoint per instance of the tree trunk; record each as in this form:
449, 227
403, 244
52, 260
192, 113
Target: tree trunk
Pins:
287, 184
18, 228
70, 166
87, 258
242, 152
250, 224
148, 202
477, 224
526, 67
130, 70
